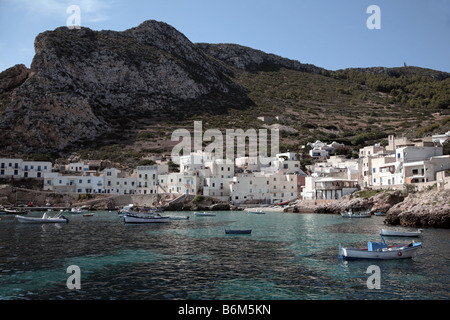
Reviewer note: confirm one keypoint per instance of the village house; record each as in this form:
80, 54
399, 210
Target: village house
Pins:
18, 168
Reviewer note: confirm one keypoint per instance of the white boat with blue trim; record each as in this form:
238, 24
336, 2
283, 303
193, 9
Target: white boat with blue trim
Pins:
380, 251
394, 233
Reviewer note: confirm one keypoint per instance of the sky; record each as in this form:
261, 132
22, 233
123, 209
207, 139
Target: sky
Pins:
332, 34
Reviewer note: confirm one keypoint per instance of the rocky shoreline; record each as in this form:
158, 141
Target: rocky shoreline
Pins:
427, 208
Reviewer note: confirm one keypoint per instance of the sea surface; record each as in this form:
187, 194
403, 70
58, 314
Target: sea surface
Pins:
287, 256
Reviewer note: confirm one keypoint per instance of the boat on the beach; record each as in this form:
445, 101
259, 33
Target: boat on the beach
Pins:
204, 214
238, 231
44, 219
358, 214
380, 251
145, 218
393, 233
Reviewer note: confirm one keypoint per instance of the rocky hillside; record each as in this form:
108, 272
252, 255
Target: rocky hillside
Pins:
84, 84
119, 95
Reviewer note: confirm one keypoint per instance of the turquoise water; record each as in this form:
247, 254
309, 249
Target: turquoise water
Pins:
287, 257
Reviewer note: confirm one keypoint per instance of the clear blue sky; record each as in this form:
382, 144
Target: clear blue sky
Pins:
327, 33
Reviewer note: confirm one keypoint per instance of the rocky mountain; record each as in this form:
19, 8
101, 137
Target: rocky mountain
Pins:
83, 84
119, 95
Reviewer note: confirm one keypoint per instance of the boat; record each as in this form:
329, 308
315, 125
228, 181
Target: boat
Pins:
145, 218
178, 217
88, 214
380, 251
44, 219
238, 231
379, 214
358, 214
204, 214
394, 233
14, 211
75, 211
256, 212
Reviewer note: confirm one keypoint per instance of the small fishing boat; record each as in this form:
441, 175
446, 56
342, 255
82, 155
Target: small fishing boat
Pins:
238, 231
88, 214
75, 211
204, 214
256, 212
393, 233
14, 211
358, 214
379, 214
44, 219
380, 251
145, 218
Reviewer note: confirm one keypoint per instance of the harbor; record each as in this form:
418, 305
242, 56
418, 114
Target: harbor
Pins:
287, 256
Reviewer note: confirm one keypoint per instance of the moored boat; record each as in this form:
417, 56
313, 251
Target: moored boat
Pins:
238, 231
380, 251
358, 214
204, 214
44, 219
145, 218
256, 211
393, 233
14, 211
75, 211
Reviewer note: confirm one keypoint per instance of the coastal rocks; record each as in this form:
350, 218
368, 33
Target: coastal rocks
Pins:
377, 201
422, 209
428, 208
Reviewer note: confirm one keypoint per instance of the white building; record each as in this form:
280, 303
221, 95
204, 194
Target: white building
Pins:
17, 168
117, 182
55, 182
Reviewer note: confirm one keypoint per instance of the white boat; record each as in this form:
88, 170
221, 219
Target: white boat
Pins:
256, 212
394, 233
15, 211
358, 214
44, 219
75, 211
204, 214
380, 251
145, 218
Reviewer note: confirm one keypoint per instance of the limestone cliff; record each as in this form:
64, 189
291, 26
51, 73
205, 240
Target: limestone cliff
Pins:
83, 84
